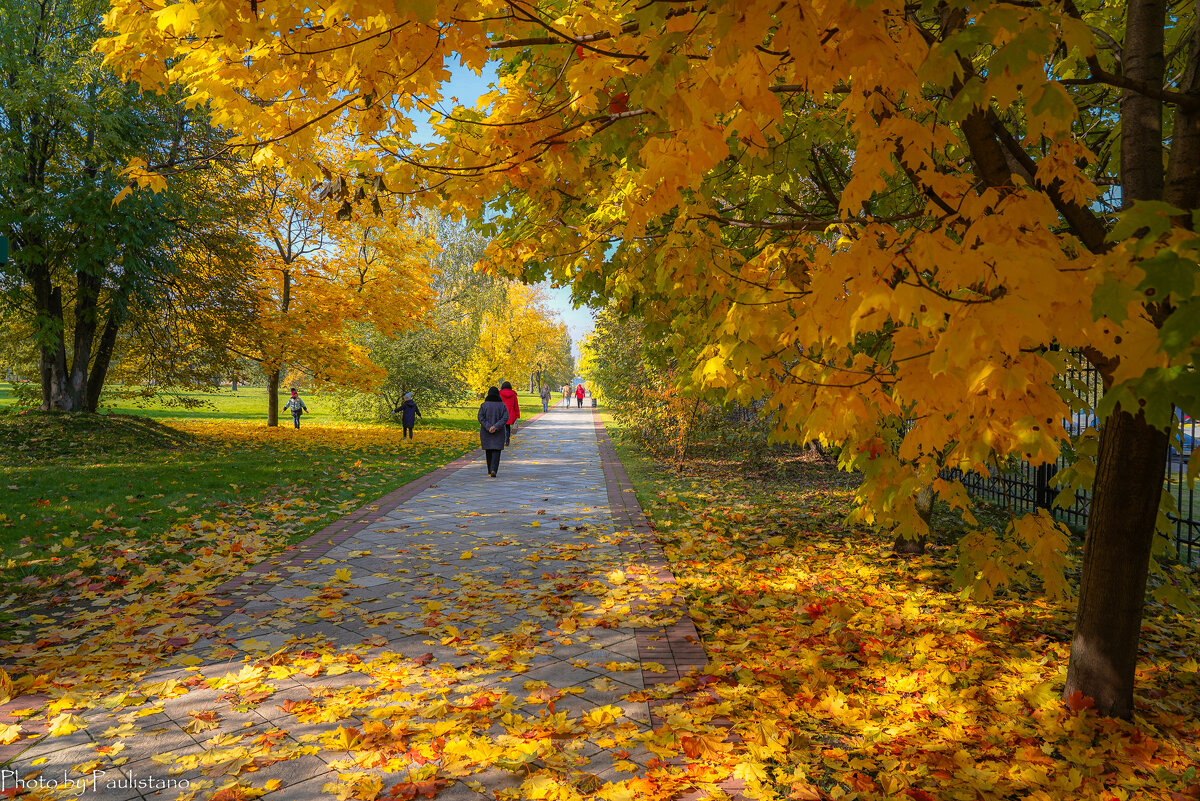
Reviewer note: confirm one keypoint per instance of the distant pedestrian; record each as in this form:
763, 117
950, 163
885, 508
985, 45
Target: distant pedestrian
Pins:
296, 406
545, 397
410, 414
579, 395
514, 409
566, 390
493, 417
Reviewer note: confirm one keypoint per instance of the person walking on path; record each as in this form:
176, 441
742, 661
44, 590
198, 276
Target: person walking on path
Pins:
545, 398
411, 413
579, 395
296, 406
566, 390
514, 409
493, 420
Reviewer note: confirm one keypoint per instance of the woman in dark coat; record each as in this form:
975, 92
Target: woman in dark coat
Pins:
493, 414
411, 413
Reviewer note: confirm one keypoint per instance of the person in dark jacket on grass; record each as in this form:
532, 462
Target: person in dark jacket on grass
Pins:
509, 396
493, 415
411, 413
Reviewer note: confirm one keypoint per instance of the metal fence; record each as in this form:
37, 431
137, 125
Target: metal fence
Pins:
1023, 487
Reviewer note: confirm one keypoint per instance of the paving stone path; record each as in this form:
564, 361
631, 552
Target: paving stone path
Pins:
463, 632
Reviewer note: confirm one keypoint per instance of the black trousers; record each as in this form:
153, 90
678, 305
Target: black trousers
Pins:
580, 402
507, 433
407, 432
493, 459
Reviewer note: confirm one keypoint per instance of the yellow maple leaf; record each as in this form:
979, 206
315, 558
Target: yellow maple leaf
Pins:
9, 733
66, 723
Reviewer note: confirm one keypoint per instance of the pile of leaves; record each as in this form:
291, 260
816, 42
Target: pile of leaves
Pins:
848, 672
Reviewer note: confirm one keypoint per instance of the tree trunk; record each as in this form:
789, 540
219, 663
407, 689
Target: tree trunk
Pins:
1133, 455
273, 377
273, 398
1141, 116
104, 353
56, 392
1116, 559
87, 298
1182, 188
904, 546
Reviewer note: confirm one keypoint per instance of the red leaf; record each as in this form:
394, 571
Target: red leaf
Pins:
1077, 701
918, 795
618, 103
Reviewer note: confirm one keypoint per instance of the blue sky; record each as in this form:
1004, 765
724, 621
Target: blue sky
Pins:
464, 88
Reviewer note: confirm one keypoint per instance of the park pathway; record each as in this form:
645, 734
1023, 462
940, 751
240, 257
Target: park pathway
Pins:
456, 637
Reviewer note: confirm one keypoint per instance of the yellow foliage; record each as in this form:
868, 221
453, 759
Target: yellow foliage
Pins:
515, 337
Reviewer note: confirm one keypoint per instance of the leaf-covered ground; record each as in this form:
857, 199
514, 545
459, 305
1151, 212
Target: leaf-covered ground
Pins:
111, 510
477, 636
842, 671
850, 673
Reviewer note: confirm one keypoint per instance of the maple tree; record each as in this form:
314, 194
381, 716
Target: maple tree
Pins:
320, 276
884, 217
520, 337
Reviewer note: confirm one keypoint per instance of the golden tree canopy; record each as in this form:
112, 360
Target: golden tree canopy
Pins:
881, 215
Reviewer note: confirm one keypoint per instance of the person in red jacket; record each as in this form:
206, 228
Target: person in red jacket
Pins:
579, 395
514, 409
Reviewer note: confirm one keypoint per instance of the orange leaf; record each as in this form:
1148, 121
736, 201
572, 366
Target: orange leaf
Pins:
1077, 701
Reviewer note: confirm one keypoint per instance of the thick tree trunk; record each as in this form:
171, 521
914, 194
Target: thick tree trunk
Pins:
104, 353
56, 390
1116, 559
87, 320
1133, 455
273, 398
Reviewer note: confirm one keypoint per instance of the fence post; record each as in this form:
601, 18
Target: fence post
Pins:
1043, 492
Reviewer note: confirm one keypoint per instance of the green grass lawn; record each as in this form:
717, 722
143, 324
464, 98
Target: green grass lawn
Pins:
250, 404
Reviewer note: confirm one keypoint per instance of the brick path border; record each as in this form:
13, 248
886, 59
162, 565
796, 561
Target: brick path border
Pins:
677, 647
